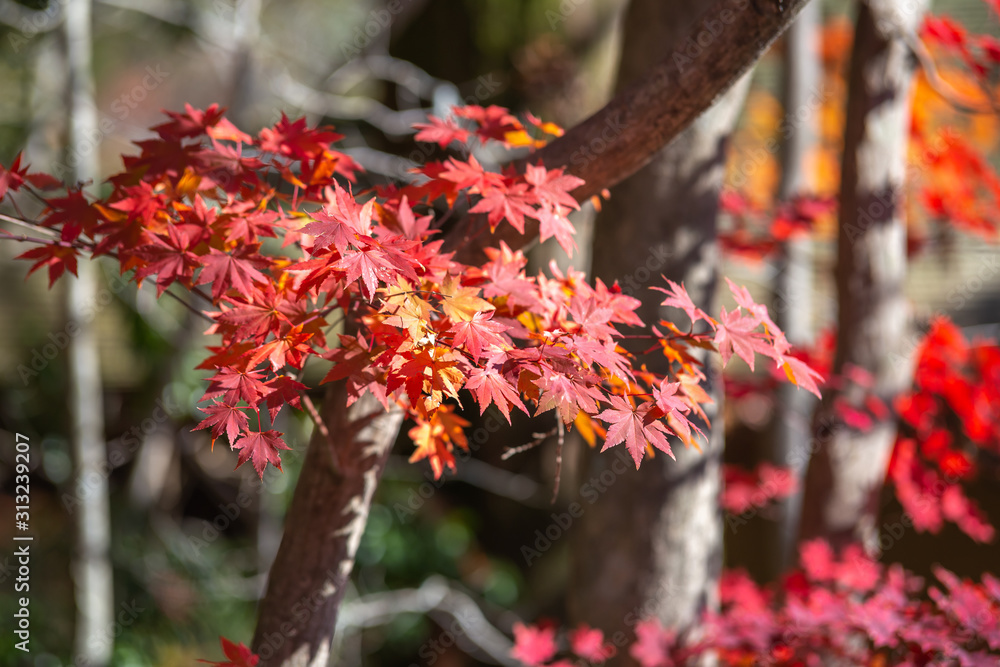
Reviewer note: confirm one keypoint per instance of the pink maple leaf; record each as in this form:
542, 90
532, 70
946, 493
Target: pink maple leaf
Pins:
534, 645
635, 426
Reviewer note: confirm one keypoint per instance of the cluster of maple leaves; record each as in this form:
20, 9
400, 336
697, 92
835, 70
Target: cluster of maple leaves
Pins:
957, 188
267, 233
748, 490
835, 610
949, 418
951, 181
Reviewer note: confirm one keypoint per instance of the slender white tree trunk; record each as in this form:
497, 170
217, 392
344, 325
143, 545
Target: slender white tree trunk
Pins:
91, 567
793, 303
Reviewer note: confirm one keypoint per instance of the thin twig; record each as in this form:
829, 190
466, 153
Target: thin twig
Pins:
539, 438
315, 416
559, 452
189, 306
22, 238
317, 419
436, 596
197, 290
27, 225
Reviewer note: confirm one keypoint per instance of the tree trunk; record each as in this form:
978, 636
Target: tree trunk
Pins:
651, 544
848, 466
91, 567
326, 519
793, 286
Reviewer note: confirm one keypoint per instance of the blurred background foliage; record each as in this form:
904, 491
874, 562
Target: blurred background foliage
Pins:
192, 539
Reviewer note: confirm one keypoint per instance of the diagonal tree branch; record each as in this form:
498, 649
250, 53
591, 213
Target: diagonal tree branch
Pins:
624, 136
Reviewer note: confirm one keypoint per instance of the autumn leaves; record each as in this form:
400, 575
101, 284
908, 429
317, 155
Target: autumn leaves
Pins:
285, 249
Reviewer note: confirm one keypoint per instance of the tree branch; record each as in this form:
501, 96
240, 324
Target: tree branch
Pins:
434, 595
624, 136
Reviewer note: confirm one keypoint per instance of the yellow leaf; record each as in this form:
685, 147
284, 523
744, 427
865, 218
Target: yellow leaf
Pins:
585, 426
461, 304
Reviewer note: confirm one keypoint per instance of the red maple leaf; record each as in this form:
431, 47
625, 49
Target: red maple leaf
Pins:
191, 123
478, 334
470, 175
552, 186
553, 222
260, 447
489, 386
223, 418
237, 386
238, 656
567, 394
678, 297
592, 316
287, 348
735, 332
296, 140
169, 258
57, 256
236, 269
494, 122
635, 426
675, 405
74, 213
441, 132
255, 319
13, 178
372, 260
652, 645
944, 31
818, 560
506, 202
534, 645
410, 225
435, 439
745, 301
284, 391
801, 374
224, 130
341, 221
588, 643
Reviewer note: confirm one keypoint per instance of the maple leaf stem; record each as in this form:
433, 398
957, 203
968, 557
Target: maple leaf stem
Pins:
13, 202
438, 224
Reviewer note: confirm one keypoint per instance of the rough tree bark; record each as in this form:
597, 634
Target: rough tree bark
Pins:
648, 115
91, 568
298, 615
847, 468
793, 284
652, 543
